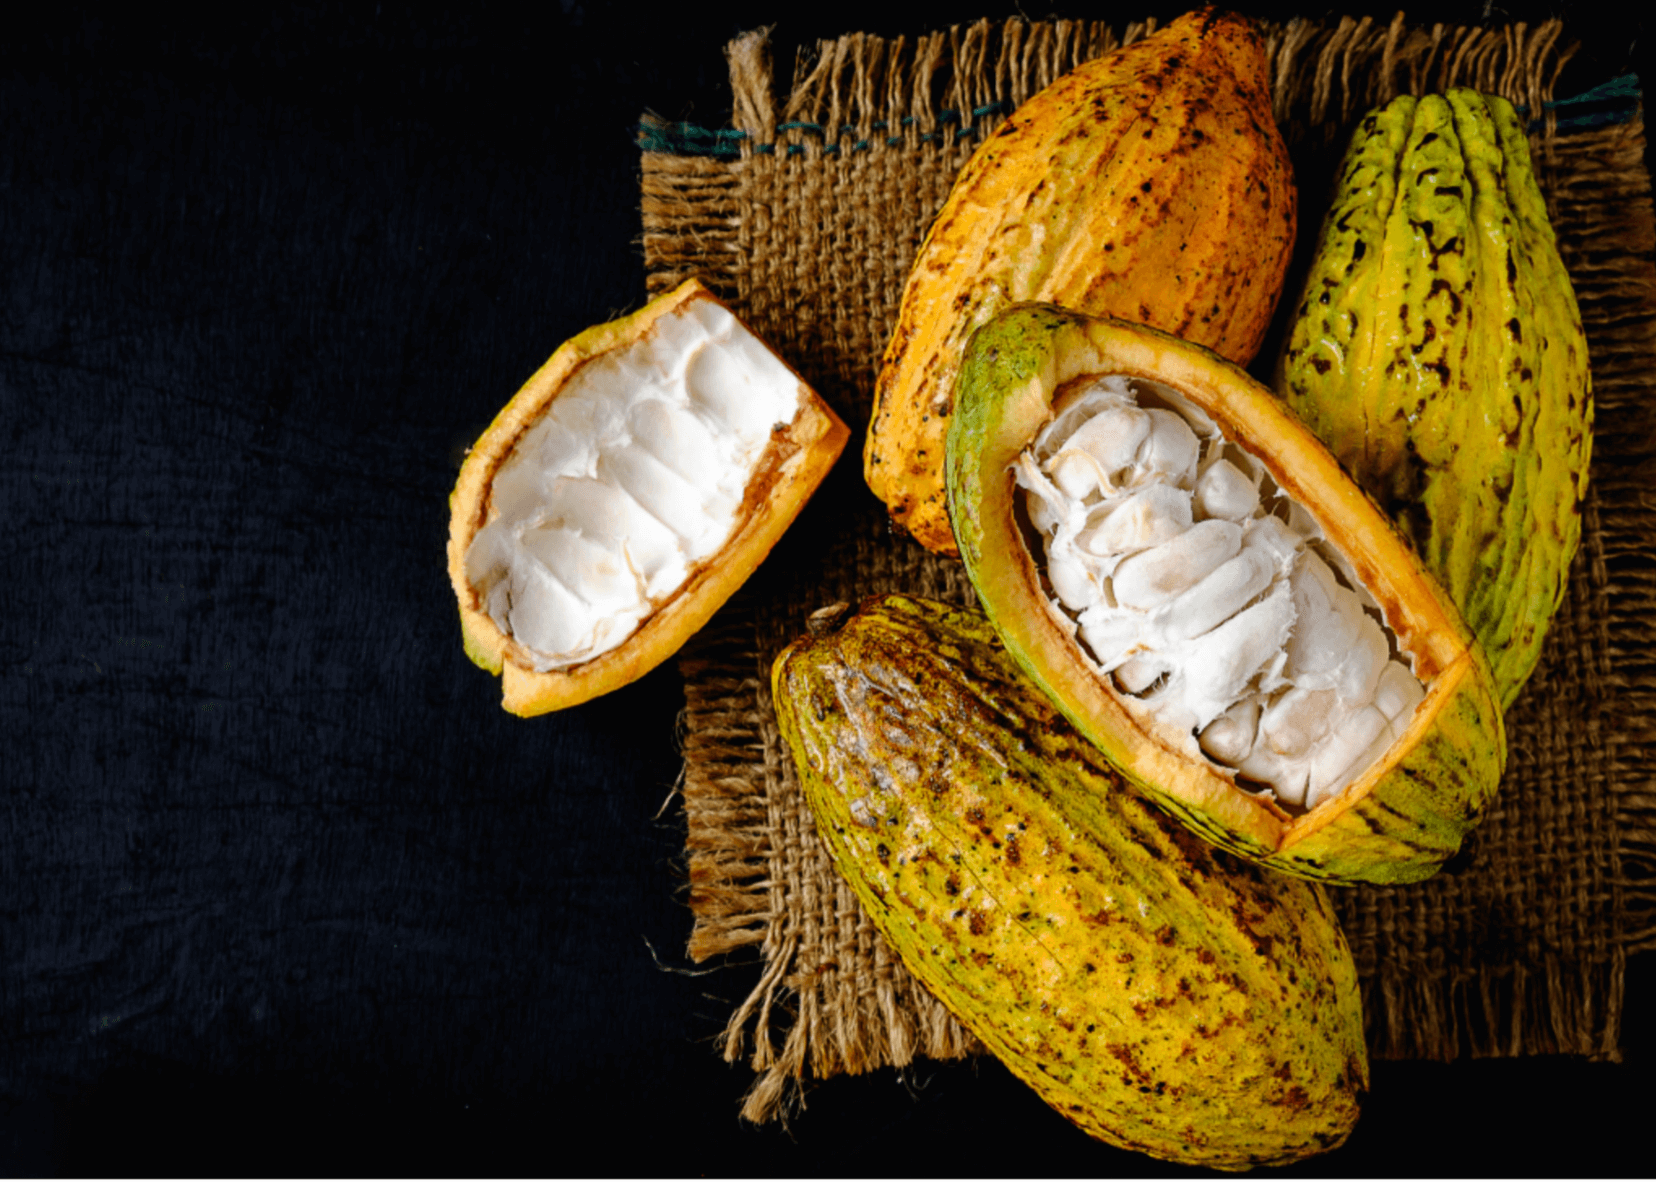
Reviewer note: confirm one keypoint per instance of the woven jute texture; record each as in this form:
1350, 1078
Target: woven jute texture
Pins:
808, 225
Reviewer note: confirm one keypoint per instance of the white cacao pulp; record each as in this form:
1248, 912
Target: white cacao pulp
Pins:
1208, 600
637, 473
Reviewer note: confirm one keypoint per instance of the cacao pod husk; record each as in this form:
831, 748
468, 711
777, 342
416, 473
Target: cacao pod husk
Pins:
1150, 183
794, 459
1438, 351
1159, 994
1400, 820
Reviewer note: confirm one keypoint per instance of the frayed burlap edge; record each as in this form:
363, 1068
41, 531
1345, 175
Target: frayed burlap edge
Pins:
1325, 73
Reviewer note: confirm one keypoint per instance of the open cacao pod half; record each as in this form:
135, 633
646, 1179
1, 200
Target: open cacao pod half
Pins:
1149, 183
1195, 582
637, 479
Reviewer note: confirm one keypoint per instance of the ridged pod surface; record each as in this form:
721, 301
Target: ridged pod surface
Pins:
1398, 821
1439, 352
1150, 183
1162, 996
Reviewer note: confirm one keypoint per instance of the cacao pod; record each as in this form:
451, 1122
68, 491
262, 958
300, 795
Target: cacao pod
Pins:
1159, 994
624, 493
1395, 798
1150, 183
1439, 352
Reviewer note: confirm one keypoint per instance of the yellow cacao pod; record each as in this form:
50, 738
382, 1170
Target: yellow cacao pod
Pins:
1150, 183
1159, 994
1439, 352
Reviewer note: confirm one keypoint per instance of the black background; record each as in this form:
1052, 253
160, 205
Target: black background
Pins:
282, 889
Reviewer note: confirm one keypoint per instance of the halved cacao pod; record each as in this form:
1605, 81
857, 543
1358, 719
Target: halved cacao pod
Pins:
637, 479
1392, 814
1439, 352
1150, 183
1159, 994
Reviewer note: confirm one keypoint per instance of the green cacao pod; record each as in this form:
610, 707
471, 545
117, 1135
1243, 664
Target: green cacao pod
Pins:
1160, 995
1150, 183
1438, 350
1314, 576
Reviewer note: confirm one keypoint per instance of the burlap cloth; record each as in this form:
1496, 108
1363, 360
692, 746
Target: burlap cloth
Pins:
806, 215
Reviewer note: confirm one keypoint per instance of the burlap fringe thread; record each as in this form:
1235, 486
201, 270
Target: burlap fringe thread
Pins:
1323, 75
1561, 992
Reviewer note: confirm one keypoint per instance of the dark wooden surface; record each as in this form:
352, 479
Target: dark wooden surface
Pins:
282, 889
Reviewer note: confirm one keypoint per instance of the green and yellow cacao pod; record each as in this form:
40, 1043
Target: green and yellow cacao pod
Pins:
1160, 995
1396, 822
1439, 352
1150, 183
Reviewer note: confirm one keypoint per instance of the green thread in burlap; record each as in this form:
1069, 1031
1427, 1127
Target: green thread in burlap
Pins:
806, 214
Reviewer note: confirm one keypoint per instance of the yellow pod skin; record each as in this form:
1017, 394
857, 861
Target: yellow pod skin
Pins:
1159, 994
1150, 183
